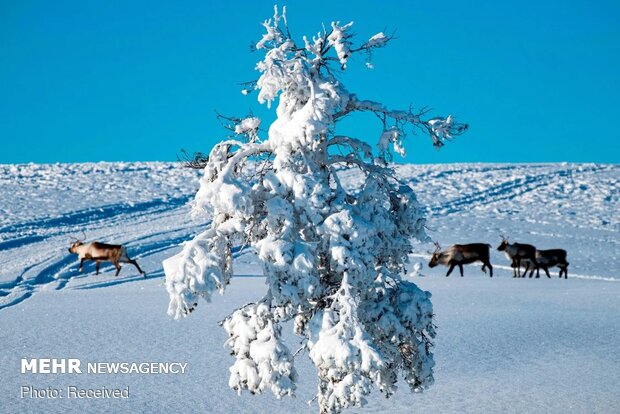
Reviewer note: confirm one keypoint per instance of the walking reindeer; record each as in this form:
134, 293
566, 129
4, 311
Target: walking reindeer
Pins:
549, 258
518, 254
101, 252
460, 254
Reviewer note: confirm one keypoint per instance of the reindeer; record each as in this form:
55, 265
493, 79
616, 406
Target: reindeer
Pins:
460, 254
518, 253
101, 252
549, 258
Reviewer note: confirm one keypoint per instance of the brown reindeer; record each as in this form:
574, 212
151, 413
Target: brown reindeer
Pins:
101, 252
460, 254
518, 253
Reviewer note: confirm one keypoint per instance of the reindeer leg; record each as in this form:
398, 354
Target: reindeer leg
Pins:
527, 267
98, 263
133, 262
490, 269
461, 269
546, 269
450, 269
518, 267
81, 265
118, 268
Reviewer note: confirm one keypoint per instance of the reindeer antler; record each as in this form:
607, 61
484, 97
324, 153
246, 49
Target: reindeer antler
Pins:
78, 239
503, 237
437, 248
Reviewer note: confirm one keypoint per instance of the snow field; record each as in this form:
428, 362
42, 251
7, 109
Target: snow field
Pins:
503, 344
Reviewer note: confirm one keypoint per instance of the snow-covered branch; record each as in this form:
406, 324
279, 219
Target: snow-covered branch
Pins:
247, 127
262, 360
354, 144
440, 129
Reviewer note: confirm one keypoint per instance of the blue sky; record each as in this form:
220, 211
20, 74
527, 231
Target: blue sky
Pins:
139, 80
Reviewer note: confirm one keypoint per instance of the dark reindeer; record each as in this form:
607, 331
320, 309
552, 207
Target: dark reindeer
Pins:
518, 254
550, 258
460, 254
101, 252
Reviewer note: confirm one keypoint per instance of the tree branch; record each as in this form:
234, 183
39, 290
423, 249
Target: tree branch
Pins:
439, 129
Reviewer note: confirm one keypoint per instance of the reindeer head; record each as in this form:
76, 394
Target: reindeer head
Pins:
503, 244
76, 243
435, 255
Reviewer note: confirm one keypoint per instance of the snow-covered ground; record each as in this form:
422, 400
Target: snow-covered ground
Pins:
503, 344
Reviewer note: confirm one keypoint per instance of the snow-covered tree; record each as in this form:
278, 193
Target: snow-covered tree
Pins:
333, 255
